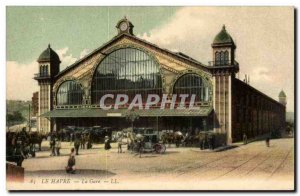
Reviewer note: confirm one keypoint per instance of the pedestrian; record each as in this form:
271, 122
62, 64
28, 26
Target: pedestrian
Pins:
209, 141
86, 139
245, 139
120, 142
268, 142
52, 145
89, 142
71, 163
58, 146
107, 143
201, 139
205, 141
212, 141
82, 141
71, 138
61, 135
140, 145
77, 145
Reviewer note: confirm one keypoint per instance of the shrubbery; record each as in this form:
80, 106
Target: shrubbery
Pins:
14, 118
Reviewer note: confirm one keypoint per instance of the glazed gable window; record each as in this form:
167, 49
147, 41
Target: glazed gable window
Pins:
192, 84
69, 93
127, 71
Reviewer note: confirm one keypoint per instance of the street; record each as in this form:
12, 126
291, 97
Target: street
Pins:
245, 167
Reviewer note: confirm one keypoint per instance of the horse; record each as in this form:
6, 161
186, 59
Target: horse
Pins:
36, 138
130, 140
166, 137
138, 144
135, 142
178, 138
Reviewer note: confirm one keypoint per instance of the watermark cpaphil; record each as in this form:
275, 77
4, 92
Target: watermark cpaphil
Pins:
176, 101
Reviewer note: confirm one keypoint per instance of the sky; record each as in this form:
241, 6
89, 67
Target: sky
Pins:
264, 37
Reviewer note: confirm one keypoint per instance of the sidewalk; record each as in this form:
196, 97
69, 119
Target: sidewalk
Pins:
240, 143
233, 145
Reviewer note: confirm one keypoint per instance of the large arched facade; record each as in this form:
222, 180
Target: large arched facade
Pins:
69, 93
129, 65
127, 71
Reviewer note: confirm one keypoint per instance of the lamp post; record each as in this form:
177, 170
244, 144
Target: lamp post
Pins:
29, 119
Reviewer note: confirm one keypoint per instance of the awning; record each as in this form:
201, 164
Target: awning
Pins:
96, 112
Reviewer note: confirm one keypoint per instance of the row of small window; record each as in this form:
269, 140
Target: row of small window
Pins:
221, 58
44, 70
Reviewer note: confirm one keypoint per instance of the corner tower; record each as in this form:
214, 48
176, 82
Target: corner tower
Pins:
224, 67
283, 101
48, 66
282, 98
223, 49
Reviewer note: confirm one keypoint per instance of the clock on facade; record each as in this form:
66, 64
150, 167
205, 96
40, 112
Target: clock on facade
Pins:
123, 26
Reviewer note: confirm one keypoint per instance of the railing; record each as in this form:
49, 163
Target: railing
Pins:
222, 63
219, 63
158, 105
41, 75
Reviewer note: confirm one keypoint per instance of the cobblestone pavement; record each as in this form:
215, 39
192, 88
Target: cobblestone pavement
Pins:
246, 167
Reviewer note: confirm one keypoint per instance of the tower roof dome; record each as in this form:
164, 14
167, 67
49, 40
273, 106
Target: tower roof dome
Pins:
48, 55
223, 37
282, 94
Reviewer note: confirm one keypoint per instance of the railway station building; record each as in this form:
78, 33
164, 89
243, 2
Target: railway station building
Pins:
130, 65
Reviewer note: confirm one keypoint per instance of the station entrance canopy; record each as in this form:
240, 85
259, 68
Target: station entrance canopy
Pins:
96, 112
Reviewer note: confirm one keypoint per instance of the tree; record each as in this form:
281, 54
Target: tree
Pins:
15, 117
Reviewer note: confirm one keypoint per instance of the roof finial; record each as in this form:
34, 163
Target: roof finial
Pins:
224, 28
49, 45
125, 17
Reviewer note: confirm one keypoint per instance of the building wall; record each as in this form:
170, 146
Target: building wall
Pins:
253, 112
222, 109
237, 107
44, 106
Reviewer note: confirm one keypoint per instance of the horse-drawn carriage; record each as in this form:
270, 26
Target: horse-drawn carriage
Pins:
172, 137
20, 144
145, 140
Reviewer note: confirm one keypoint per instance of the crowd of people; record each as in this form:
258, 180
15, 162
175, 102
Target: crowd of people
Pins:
55, 145
82, 142
79, 140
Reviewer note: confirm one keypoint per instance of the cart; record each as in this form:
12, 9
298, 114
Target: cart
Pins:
147, 141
